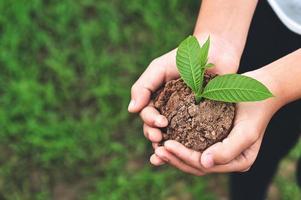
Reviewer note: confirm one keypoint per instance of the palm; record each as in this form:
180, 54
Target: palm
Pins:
163, 69
227, 157
235, 153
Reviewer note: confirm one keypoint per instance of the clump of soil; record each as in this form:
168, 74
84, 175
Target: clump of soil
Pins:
197, 126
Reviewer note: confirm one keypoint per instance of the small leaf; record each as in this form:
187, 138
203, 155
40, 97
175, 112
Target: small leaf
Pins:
189, 63
235, 88
204, 52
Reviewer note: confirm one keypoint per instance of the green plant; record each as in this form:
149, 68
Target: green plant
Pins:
192, 62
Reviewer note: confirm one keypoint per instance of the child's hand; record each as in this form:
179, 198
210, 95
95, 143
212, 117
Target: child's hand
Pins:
159, 71
163, 69
238, 151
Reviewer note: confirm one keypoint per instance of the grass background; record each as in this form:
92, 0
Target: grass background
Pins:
66, 68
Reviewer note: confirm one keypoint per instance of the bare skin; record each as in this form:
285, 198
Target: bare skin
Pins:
239, 150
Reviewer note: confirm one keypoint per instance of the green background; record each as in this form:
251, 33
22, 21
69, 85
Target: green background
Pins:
66, 68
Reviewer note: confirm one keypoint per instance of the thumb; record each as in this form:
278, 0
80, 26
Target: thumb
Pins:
148, 83
151, 79
157, 73
242, 136
140, 97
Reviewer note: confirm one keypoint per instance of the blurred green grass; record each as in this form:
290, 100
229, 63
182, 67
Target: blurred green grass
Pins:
65, 77
66, 68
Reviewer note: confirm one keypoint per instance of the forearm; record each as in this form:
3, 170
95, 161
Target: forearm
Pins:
229, 20
283, 77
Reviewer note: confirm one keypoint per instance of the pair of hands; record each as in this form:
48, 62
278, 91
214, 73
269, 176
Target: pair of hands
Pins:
238, 151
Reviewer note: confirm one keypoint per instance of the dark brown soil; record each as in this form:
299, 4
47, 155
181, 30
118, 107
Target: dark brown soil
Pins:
195, 126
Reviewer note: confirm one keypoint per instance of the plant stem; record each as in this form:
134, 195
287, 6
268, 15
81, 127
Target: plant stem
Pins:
198, 98
198, 94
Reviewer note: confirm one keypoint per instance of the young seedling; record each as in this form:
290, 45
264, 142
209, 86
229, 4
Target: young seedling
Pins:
192, 62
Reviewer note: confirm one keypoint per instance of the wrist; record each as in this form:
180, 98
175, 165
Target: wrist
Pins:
226, 19
263, 75
224, 55
283, 76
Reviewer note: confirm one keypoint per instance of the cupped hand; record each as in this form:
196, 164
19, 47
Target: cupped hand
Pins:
162, 69
238, 151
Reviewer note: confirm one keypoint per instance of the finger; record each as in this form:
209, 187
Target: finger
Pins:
153, 134
192, 158
188, 156
140, 96
152, 78
158, 72
155, 145
242, 136
162, 153
241, 163
152, 117
155, 160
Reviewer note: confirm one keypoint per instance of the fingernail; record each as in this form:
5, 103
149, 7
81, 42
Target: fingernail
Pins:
166, 143
207, 161
161, 155
160, 121
164, 158
131, 105
169, 145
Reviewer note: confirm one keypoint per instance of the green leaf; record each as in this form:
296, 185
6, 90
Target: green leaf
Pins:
204, 52
189, 63
209, 65
235, 88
